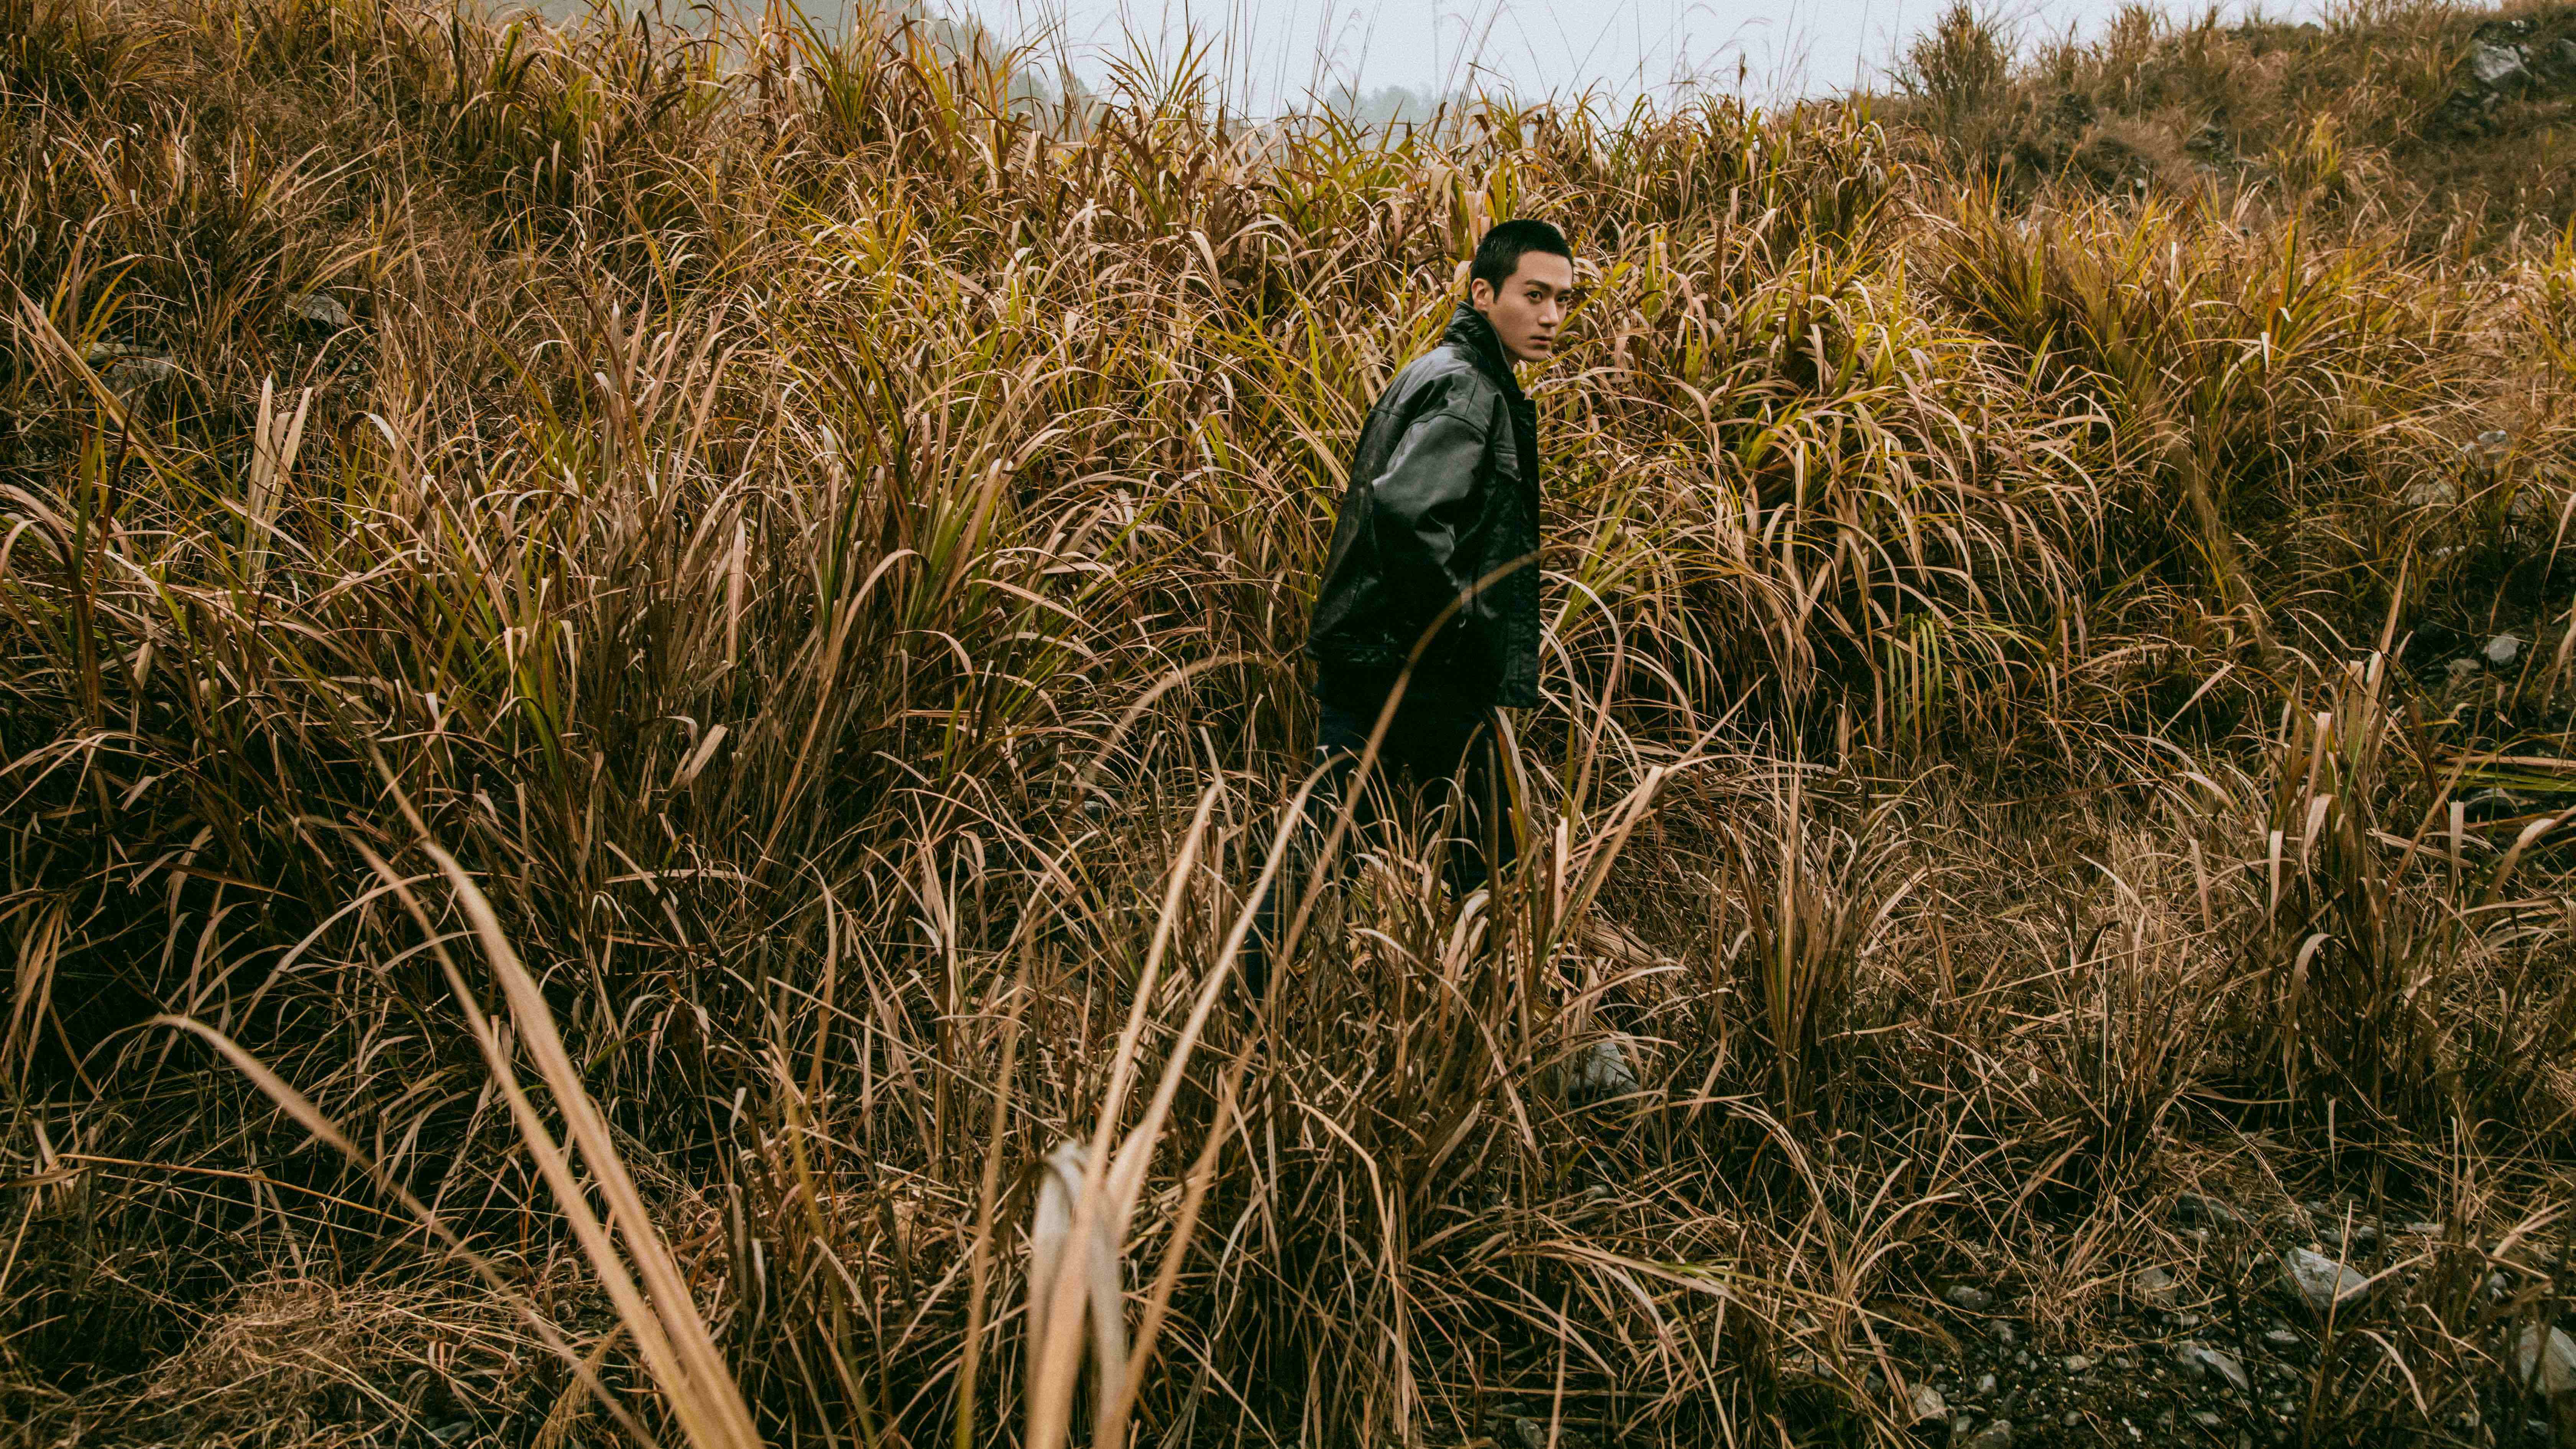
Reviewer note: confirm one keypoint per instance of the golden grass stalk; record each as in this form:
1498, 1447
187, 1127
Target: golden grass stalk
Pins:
663, 1319
297, 1106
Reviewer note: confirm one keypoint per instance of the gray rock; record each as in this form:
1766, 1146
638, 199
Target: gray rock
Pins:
2281, 1338
1967, 1299
131, 377
2503, 649
1531, 1433
130, 371
2460, 670
2320, 1281
2194, 1207
2206, 1418
2546, 1361
1602, 1073
322, 310
2489, 804
1928, 1404
1997, 1435
2197, 1360
2153, 1287
2497, 66
2495, 440
2000, 1331
2430, 492
1985, 1383
2425, 1229
2077, 1363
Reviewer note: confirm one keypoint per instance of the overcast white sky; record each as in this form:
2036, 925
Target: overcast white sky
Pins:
1528, 46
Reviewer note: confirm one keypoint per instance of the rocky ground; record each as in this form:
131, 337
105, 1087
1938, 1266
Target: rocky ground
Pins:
2528, 58
2229, 1343
2232, 1341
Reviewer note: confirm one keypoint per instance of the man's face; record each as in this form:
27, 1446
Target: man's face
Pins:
1530, 305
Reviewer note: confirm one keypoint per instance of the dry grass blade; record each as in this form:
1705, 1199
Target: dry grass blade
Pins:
664, 1321
299, 1107
1076, 1296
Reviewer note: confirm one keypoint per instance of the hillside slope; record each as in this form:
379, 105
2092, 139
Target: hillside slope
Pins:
636, 672
2452, 125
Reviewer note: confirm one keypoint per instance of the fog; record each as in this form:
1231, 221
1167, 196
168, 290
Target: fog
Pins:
1272, 54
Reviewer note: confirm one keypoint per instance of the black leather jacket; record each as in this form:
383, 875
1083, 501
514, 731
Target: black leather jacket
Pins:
1442, 509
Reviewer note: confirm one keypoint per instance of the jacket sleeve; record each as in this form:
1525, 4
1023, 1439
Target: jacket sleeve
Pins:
1425, 499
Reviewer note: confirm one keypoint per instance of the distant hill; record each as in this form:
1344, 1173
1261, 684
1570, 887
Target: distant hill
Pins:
830, 20
2440, 119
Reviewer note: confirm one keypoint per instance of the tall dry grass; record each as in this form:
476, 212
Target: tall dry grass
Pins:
753, 585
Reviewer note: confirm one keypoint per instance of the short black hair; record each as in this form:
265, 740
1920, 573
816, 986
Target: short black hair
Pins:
1499, 254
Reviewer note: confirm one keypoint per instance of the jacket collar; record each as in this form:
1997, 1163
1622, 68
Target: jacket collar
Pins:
1469, 330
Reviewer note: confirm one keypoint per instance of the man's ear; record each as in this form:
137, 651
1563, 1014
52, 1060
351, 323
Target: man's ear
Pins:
1480, 294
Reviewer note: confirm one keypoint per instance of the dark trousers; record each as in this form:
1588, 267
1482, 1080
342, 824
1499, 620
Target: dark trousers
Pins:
1438, 755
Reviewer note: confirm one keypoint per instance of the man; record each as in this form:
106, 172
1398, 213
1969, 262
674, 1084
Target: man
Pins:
1427, 611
